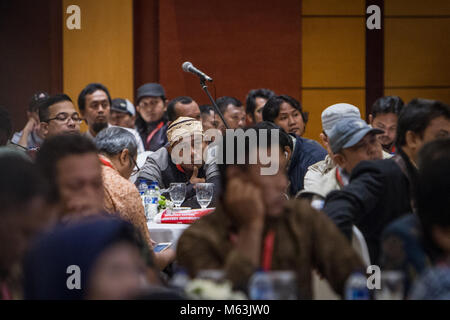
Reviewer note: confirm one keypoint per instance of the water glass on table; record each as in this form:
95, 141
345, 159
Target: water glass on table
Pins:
177, 193
204, 193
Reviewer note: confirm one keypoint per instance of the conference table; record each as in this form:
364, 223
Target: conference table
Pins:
166, 232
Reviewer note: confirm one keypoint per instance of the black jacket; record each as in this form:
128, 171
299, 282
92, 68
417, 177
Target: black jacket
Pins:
159, 137
378, 193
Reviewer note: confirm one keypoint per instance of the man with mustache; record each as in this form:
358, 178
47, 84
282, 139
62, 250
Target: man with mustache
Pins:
94, 103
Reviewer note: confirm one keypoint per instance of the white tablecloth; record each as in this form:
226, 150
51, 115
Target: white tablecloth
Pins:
166, 232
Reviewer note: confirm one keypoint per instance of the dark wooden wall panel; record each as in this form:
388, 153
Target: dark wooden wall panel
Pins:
241, 44
31, 53
146, 41
374, 60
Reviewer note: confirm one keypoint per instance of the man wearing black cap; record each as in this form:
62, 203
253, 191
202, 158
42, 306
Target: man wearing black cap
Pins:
151, 122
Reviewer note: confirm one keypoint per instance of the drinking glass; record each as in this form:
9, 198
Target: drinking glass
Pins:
177, 193
204, 193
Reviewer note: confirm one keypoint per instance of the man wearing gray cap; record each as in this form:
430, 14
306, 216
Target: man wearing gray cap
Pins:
381, 191
330, 116
351, 140
151, 121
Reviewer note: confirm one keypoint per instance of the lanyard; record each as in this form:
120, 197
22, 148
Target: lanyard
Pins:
150, 136
105, 162
339, 178
180, 168
268, 251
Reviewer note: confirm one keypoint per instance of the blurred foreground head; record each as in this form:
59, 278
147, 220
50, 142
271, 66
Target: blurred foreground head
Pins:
24, 211
99, 258
71, 165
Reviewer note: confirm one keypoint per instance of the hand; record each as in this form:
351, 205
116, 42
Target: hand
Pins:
244, 203
30, 126
194, 179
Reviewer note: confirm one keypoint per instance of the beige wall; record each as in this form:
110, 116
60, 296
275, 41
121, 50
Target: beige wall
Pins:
333, 57
417, 49
102, 51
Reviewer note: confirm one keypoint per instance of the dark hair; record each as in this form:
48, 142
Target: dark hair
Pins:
285, 138
47, 103
432, 189
388, 104
236, 137
56, 148
5, 126
171, 112
113, 140
271, 109
416, 117
224, 102
206, 109
21, 181
251, 99
36, 100
90, 89
20, 184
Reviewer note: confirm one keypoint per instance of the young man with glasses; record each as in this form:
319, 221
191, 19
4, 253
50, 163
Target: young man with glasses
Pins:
58, 116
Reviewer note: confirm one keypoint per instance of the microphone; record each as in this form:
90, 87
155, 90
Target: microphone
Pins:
189, 67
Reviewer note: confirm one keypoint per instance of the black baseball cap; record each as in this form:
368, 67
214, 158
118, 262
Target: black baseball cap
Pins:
150, 90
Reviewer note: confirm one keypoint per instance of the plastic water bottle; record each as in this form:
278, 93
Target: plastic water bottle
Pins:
142, 187
356, 287
152, 199
261, 287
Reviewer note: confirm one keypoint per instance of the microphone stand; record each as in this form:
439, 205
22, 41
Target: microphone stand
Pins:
205, 88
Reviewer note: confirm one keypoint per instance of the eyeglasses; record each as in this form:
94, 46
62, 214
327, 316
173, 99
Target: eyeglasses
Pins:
135, 166
64, 117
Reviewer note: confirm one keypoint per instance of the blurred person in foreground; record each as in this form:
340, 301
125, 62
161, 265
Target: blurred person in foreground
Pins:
72, 166
380, 191
255, 227
24, 213
99, 258
433, 210
5, 127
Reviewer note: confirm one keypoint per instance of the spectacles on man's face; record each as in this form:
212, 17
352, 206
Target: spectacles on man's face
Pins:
64, 117
136, 169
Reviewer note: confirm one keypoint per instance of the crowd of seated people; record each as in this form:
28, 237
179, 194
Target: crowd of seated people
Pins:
70, 199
